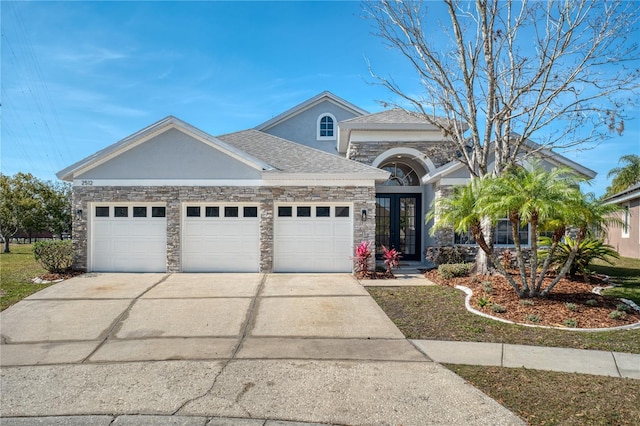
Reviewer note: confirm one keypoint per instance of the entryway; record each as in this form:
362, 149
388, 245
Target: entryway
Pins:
398, 224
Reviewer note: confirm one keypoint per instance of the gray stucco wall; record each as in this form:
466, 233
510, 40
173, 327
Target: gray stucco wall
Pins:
173, 155
302, 128
173, 196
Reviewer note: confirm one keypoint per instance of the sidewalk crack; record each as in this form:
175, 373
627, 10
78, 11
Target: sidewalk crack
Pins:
248, 325
121, 317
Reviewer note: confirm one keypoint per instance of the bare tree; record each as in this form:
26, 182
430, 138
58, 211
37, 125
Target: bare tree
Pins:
562, 73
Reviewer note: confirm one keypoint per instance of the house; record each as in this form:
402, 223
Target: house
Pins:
293, 194
625, 238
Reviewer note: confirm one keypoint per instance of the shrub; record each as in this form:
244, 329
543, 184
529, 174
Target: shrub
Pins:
487, 286
623, 307
498, 308
362, 257
570, 322
571, 306
449, 255
532, 318
54, 255
591, 302
391, 258
617, 314
588, 250
483, 301
527, 302
448, 271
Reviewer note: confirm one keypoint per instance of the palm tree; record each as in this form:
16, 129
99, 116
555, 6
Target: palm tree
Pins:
624, 177
535, 197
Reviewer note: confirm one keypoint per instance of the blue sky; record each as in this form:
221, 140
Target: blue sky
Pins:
79, 76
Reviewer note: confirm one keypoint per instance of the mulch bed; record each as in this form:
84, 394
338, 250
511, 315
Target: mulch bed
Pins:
57, 277
567, 301
377, 275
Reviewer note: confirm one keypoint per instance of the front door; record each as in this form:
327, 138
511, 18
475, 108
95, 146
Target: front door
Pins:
398, 224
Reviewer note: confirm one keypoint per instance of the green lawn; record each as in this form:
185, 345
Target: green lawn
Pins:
625, 273
16, 270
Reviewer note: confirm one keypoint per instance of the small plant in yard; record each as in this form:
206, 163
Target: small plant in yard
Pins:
571, 306
391, 258
532, 318
527, 302
571, 323
623, 307
475, 279
617, 315
54, 255
483, 301
487, 286
591, 302
498, 308
363, 257
452, 270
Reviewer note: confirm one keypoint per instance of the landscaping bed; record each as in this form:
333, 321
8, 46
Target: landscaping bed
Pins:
571, 304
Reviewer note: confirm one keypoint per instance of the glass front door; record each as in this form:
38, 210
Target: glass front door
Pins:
398, 224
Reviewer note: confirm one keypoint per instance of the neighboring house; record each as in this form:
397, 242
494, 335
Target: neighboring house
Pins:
625, 238
295, 193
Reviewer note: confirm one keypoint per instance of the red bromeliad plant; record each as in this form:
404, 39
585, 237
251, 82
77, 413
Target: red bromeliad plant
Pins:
391, 258
362, 257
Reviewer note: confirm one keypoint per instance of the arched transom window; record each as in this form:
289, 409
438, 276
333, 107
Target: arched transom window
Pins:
326, 127
401, 174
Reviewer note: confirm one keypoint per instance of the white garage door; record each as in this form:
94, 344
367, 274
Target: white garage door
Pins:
220, 238
313, 238
128, 238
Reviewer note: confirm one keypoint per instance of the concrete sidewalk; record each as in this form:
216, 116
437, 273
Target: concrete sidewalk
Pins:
601, 363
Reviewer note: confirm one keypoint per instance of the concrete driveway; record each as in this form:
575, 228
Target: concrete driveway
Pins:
300, 347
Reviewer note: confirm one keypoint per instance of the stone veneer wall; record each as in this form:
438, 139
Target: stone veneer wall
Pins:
440, 153
174, 196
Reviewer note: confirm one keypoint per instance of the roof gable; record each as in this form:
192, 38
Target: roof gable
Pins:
309, 103
157, 148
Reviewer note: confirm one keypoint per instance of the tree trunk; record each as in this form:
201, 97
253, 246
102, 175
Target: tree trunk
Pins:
484, 265
6, 245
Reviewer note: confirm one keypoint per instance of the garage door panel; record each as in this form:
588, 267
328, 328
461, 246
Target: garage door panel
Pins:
220, 244
128, 244
313, 244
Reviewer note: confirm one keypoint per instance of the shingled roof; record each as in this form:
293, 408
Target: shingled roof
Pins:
291, 157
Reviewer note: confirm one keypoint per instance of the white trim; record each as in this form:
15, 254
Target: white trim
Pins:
335, 127
454, 181
287, 180
414, 153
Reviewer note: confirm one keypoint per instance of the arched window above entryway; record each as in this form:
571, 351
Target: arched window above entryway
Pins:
402, 174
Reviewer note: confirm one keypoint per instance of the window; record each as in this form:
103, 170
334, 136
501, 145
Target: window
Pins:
303, 211
193, 211
322, 211
342, 211
401, 175
158, 211
139, 212
326, 127
284, 212
502, 235
230, 212
121, 211
102, 211
212, 211
250, 212
625, 221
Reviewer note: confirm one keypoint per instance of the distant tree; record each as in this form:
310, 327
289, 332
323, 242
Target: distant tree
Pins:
32, 205
626, 176
496, 74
